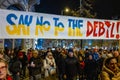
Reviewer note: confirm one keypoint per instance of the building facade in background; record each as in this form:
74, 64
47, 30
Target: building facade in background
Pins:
19, 5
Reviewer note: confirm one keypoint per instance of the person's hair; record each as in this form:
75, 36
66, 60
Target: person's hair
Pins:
35, 52
1, 52
107, 61
6, 64
4, 61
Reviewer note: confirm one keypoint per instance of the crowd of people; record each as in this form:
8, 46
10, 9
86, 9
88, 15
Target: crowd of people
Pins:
59, 64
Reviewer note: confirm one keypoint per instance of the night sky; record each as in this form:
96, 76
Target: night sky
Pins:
105, 8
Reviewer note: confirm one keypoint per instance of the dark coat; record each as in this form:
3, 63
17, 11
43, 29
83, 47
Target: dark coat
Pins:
61, 64
15, 66
107, 74
38, 64
91, 69
24, 61
71, 66
9, 78
90, 66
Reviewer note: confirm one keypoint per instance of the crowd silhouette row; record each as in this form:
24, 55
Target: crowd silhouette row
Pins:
59, 64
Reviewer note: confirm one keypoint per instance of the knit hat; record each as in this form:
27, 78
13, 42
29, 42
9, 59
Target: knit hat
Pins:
70, 50
20, 54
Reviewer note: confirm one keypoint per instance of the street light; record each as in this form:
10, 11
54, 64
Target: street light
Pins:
66, 10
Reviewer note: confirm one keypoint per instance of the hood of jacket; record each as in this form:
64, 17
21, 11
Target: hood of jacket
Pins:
110, 72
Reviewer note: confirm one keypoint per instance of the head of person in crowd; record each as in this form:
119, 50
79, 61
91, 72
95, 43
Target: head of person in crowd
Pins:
111, 63
90, 57
23, 51
110, 70
35, 53
95, 50
1, 54
4, 70
104, 54
20, 55
58, 49
70, 52
48, 49
49, 55
63, 51
86, 50
115, 53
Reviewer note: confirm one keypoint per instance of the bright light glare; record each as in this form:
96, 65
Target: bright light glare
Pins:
66, 10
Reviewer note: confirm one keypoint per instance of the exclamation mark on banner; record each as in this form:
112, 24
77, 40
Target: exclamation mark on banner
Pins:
117, 29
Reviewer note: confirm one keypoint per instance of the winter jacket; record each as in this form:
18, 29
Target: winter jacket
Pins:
90, 66
91, 69
95, 56
9, 77
71, 66
107, 74
47, 65
15, 66
24, 61
38, 64
61, 64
